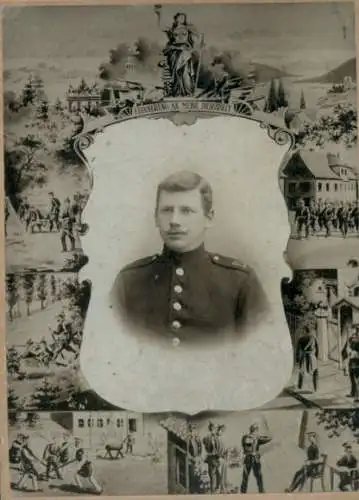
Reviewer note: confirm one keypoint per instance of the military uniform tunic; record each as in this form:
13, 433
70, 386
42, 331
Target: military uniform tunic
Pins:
188, 296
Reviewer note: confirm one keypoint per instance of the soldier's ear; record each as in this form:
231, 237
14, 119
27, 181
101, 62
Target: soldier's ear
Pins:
210, 216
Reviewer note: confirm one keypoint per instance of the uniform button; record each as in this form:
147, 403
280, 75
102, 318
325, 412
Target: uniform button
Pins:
216, 258
179, 271
176, 306
178, 289
176, 325
176, 341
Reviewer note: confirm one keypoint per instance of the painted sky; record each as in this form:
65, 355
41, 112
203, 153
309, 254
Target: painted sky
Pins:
289, 34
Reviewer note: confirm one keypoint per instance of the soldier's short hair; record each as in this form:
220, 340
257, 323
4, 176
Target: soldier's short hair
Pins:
187, 181
253, 427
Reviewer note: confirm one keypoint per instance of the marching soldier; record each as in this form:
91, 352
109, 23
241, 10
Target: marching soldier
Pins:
343, 215
302, 218
251, 444
186, 292
327, 217
354, 214
307, 352
313, 217
67, 227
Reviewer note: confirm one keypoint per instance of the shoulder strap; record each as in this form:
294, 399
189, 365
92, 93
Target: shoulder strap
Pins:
140, 263
229, 263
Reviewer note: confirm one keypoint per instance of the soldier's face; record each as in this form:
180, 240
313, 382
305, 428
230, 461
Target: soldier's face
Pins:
181, 220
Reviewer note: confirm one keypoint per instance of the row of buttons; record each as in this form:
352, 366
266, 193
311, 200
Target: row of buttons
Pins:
176, 325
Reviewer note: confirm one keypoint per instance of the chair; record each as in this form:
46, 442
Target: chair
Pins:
316, 471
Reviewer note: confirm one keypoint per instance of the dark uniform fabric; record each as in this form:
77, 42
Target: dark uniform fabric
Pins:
188, 295
252, 460
347, 478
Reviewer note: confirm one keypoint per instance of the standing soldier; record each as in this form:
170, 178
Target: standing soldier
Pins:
76, 209
223, 458
130, 441
251, 444
343, 218
302, 217
319, 209
211, 446
350, 354
54, 212
307, 352
67, 226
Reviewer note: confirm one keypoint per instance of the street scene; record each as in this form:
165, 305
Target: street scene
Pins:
45, 314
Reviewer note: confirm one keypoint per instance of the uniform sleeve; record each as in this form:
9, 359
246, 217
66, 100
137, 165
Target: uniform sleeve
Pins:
253, 305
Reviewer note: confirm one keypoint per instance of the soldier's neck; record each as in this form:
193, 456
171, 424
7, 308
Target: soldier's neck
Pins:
179, 257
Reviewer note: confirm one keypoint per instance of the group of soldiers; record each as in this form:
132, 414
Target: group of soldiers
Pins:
314, 467
66, 338
323, 217
212, 451
64, 218
57, 454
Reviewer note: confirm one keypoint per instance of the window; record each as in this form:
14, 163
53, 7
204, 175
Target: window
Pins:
335, 187
320, 186
327, 186
81, 423
132, 425
120, 422
291, 187
304, 187
89, 422
355, 291
108, 421
99, 422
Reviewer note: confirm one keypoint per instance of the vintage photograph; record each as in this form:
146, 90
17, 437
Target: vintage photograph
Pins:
186, 292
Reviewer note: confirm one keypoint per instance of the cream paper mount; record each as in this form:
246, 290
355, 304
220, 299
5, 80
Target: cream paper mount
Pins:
239, 151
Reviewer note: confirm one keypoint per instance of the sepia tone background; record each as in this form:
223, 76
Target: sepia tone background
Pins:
4, 474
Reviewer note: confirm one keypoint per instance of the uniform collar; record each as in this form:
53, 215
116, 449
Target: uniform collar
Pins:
194, 256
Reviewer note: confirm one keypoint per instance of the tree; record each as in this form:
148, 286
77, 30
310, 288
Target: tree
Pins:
12, 400
42, 289
302, 104
12, 295
282, 101
28, 285
28, 94
42, 112
53, 288
271, 104
336, 421
21, 160
338, 126
46, 396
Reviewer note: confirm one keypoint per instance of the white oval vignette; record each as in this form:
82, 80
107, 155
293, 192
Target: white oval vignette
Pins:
241, 162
